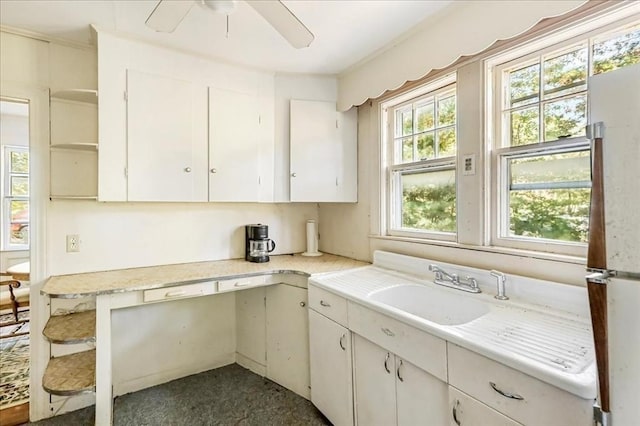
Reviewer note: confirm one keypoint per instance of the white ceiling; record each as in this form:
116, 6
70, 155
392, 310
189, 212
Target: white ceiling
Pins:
346, 31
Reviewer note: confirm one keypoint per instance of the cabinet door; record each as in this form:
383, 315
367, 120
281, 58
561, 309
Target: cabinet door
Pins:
421, 397
330, 368
375, 384
323, 154
236, 144
288, 338
466, 411
166, 139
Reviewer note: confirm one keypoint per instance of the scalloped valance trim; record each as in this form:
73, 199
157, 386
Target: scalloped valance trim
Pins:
466, 28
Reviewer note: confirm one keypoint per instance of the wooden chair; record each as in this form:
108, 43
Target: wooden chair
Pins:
16, 299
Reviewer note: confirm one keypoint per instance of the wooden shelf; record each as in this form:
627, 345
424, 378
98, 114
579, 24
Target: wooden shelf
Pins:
71, 374
73, 197
81, 146
78, 327
78, 95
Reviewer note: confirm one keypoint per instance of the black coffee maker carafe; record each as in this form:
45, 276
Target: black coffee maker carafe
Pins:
257, 243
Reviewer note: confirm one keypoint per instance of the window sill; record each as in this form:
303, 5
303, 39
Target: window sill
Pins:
575, 260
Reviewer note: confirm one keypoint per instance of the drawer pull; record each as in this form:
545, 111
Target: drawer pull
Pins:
242, 284
341, 342
176, 293
454, 412
325, 304
506, 394
386, 360
388, 332
398, 372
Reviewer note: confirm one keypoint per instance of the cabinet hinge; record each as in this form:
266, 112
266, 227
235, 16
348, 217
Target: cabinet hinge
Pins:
259, 119
126, 172
337, 124
259, 180
126, 95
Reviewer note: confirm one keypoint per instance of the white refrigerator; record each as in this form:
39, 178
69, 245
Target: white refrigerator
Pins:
614, 100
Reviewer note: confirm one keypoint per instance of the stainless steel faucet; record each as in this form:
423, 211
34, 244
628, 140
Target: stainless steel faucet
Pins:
446, 279
500, 281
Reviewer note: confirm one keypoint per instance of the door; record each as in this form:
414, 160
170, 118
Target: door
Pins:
421, 397
323, 157
375, 390
235, 146
288, 337
166, 139
330, 369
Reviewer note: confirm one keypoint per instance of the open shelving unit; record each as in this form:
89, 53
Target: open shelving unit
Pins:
74, 144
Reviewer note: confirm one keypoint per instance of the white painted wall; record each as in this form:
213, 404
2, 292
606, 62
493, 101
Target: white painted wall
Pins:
124, 235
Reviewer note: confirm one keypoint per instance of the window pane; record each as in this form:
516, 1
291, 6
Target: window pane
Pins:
565, 118
616, 52
19, 222
447, 111
525, 126
19, 186
565, 74
524, 85
426, 146
447, 142
407, 150
549, 196
429, 200
424, 117
19, 162
404, 122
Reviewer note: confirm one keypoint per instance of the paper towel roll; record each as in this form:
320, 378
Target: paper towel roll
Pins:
312, 239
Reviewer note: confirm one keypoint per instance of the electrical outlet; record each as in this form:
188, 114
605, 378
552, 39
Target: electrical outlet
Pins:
469, 165
73, 243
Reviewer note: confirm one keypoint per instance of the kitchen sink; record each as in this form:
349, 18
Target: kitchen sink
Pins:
435, 305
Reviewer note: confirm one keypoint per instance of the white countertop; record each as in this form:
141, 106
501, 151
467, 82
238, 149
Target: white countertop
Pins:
554, 346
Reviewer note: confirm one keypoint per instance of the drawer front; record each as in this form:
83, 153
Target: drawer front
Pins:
466, 411
418, 347
515, 394
328, 304
179, 292
240, 283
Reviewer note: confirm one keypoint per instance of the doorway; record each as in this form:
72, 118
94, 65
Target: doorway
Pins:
15, 244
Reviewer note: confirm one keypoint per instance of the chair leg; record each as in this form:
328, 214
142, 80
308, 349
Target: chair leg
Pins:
14, 302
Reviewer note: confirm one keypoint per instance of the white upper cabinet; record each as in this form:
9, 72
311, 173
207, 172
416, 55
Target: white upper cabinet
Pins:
166, 139
323, 152
240, 147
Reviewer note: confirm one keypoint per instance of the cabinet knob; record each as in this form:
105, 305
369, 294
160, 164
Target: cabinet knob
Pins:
214, 170
187, 169
294, 174
303, 304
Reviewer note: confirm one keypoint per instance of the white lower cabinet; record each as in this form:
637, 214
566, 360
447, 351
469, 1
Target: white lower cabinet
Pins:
389, 390
331, 372
517, 395
287, 337
466, 411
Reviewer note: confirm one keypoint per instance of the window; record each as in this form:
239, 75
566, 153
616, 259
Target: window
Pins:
16, 198
541, 155
421, 175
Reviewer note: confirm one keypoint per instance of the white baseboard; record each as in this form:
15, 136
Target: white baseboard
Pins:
251, 365
140, 383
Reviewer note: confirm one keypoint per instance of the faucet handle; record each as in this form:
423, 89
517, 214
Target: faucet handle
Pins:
501, 278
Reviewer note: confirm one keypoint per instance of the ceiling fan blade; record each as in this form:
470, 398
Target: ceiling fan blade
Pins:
284, 21
168, 14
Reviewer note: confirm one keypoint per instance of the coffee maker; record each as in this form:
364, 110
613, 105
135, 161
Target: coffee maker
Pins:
257, 243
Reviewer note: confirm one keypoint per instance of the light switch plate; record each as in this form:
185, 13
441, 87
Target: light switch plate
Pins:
469, 164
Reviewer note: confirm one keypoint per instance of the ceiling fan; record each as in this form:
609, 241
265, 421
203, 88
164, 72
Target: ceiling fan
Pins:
168, 14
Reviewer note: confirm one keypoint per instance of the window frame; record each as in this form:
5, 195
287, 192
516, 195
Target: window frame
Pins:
497, 93
7, 198
393, 171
